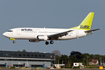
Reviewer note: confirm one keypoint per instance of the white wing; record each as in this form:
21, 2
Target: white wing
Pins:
56, 36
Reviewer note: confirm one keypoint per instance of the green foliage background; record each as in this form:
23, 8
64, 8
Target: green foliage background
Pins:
69, 60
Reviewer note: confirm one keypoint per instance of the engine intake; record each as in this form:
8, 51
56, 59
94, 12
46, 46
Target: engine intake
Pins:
42, 37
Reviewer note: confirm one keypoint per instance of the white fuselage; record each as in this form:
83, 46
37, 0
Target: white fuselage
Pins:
32, 33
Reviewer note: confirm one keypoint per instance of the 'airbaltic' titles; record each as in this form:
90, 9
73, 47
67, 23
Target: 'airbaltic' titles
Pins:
84, 27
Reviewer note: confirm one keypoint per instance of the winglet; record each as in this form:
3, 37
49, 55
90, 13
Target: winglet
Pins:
86, 23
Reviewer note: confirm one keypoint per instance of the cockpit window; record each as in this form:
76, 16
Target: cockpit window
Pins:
10, 31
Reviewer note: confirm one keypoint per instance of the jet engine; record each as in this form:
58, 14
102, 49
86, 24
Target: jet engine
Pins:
39, 38
33, 40
42, 37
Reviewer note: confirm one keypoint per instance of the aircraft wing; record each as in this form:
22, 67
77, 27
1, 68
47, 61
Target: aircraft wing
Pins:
92, 30
55, 36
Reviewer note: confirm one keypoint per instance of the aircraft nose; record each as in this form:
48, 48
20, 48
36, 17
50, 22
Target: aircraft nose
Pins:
4, 34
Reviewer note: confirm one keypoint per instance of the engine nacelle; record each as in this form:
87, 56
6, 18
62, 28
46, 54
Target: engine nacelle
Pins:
42, 37
33, 40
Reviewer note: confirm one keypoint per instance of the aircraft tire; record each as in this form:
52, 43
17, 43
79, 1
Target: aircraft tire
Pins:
46, 43
14, 41
51, 42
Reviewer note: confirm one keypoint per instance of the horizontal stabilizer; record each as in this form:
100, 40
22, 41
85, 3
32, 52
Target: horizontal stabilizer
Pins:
92, 30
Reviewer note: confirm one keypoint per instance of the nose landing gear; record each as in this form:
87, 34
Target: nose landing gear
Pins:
14, 41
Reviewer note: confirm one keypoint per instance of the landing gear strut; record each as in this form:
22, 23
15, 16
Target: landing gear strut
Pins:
14, 41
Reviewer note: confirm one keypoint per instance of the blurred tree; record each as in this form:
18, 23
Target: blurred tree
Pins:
24, 50
56, 52
64, 59
37, 52
57, 56
19, 51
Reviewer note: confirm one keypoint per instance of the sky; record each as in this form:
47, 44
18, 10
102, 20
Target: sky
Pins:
53, 14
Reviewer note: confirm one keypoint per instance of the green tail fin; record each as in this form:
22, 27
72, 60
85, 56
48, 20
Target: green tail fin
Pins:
86, 23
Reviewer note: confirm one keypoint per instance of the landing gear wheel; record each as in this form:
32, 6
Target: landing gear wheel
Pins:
51, 42
14, 41
46, 42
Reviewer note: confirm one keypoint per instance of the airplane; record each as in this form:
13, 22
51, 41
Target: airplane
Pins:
45, 34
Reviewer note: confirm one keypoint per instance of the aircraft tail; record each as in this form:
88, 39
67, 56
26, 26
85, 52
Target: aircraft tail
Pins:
86, 23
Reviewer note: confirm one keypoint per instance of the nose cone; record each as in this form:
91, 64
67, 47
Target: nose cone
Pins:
5, 34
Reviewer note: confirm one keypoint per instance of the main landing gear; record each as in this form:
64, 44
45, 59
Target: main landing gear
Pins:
46, 42
51, 42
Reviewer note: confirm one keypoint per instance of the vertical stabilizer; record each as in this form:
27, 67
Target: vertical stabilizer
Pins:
86, 23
